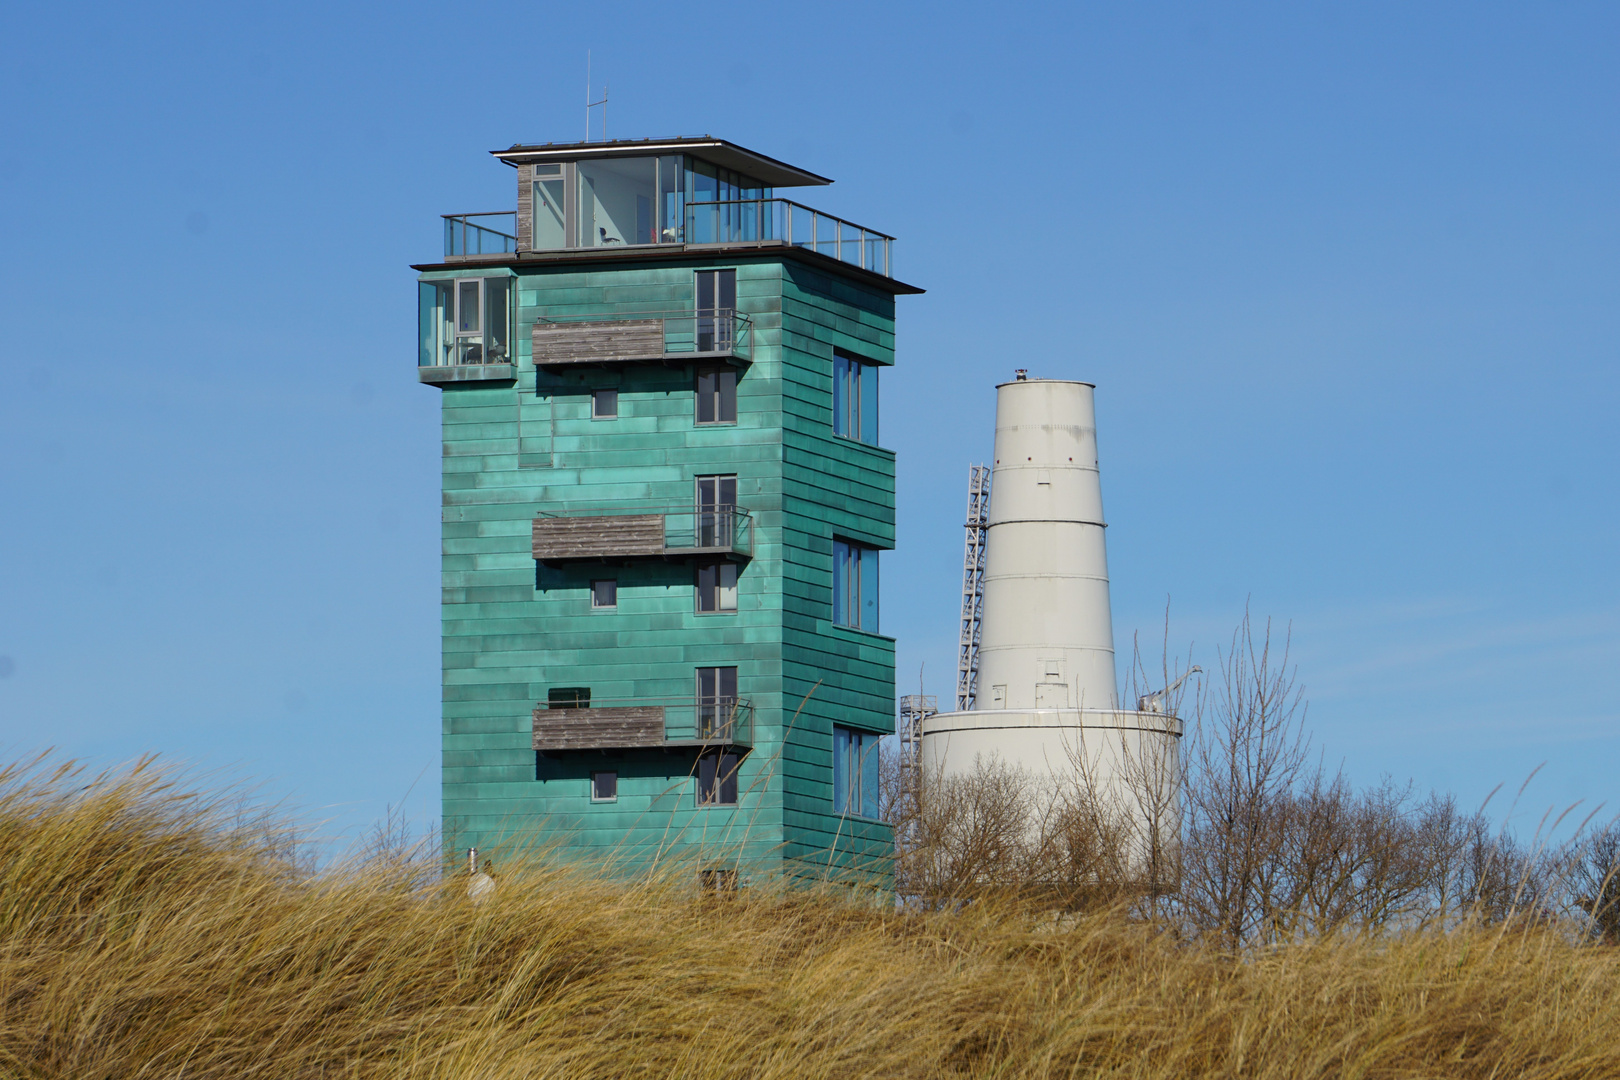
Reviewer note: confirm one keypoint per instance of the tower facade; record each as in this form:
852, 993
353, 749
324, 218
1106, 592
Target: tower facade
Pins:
665, 498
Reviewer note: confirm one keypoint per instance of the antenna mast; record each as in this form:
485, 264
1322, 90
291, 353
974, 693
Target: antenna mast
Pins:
589, 104
978, 523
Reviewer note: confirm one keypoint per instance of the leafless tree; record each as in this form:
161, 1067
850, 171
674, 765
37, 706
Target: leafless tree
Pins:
1248, 751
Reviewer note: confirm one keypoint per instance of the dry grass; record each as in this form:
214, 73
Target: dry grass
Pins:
142, 936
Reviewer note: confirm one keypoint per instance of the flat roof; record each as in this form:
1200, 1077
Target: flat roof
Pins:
729, 155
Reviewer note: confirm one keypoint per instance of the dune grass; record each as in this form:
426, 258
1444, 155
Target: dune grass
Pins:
143, 934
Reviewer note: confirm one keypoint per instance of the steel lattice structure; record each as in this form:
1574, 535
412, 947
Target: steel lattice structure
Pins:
978, 518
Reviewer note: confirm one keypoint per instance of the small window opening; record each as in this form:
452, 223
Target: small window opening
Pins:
605, 593
604, 405
568, 697
604, 787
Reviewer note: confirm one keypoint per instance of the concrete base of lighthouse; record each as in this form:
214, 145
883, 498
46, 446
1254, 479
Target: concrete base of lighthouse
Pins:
1127, 763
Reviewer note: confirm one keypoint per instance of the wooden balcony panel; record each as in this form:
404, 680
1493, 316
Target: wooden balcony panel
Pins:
598, 729
602, 342
558, 539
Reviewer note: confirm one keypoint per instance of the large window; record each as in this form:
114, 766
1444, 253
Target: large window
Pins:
855, 585
465, 321
855, 772
608, 202
717, 396
855, 398
716, 587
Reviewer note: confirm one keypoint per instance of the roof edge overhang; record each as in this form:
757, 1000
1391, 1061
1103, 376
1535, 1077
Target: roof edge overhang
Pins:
729, 155
826, 263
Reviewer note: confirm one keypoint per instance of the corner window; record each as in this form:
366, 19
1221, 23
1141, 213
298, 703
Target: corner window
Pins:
717, 396
717, 778
716, 587
605, 593
604, 787
855, 772
855, 586
604, 404
465, 321
568, 697
855, 398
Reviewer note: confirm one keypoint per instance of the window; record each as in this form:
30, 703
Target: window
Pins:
855, 772
604, 787
855, 586
716, 309
614, 201
465, 321
855, 398
605, 593
568, 697
720, 881
714, 525
549, 230
717, 396
717, 778
716, 586
604, 404
716, 701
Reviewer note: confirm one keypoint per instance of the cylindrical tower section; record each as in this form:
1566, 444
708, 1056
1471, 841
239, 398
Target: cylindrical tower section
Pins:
1048, 637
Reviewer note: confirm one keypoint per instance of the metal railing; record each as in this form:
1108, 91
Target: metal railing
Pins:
463, 237
687, 333
788, 222
688, 530
719, 720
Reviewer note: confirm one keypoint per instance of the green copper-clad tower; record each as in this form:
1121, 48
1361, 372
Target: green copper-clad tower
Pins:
665, 499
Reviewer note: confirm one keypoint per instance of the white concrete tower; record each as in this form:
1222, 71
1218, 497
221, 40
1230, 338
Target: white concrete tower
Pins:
1048, 638
1046, 704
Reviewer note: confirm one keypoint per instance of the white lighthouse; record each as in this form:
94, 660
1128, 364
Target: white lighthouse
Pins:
1047, 702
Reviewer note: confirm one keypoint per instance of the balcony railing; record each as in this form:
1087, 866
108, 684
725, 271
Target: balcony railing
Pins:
788, 222
743, 221
463, 236
587, 534
561, 340
621, 723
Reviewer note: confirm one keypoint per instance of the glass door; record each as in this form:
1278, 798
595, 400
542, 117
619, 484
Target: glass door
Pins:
716, 294
716, 507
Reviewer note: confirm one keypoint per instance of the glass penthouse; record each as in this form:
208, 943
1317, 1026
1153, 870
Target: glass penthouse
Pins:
665, 499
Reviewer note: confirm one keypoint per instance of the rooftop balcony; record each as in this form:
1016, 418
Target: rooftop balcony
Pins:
663, 723
594, 534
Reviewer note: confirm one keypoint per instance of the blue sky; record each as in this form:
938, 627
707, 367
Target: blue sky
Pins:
1344, 275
